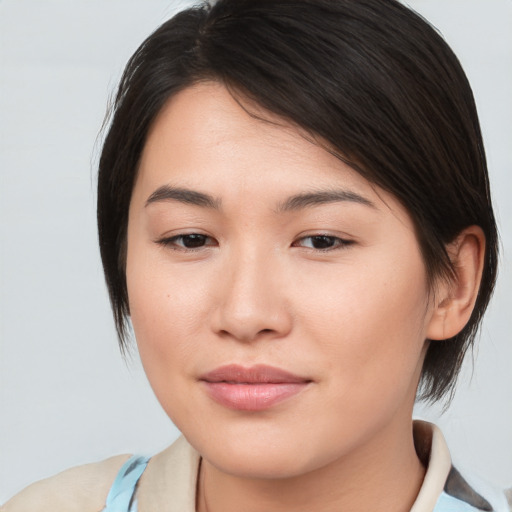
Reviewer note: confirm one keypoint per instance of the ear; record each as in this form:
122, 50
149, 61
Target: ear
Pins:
455, 298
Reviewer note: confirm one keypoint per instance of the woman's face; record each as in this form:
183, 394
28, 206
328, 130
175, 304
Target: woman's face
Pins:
279, 300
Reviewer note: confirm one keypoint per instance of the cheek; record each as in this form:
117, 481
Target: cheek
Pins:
164, 310
165, 314
371, 323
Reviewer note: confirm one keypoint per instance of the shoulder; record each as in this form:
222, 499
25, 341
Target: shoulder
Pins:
472, 495
80, 489
444, 489
458, 495
168, 483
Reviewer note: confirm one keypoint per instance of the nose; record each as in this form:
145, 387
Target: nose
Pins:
252, 302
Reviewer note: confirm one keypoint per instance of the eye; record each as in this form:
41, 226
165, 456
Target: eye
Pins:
189, 241
322, 242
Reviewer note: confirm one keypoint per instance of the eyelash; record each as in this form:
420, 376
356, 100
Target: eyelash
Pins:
172, 242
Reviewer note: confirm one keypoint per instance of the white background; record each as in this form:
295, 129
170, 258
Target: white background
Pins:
66, 396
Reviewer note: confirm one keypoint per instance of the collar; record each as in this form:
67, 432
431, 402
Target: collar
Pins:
433, 453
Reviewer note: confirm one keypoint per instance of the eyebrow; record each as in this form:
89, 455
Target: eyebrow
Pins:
305, 200
293, 203
183, 195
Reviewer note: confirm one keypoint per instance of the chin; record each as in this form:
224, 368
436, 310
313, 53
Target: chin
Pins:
260, 463
261, 453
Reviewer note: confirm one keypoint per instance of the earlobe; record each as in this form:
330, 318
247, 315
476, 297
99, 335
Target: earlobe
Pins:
455, 298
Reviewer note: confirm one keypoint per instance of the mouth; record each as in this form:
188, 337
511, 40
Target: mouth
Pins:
252, 389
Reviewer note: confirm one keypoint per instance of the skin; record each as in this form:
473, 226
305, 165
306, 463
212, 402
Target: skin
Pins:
352, 318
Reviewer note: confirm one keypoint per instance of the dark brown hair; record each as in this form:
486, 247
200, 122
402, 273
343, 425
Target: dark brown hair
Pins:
370, 78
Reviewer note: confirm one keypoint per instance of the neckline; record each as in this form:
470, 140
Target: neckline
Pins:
170, 481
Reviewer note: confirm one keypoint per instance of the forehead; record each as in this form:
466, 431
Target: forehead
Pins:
208, 114
207, 140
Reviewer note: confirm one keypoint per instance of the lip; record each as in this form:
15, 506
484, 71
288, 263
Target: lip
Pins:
255, 388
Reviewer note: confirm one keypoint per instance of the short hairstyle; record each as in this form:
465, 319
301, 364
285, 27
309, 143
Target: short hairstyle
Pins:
371, 79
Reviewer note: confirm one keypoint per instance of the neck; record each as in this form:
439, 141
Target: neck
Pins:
383, 474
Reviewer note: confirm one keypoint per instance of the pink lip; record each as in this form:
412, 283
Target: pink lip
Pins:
252, 389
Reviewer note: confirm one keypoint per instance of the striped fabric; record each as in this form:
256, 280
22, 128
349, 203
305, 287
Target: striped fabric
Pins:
121, 497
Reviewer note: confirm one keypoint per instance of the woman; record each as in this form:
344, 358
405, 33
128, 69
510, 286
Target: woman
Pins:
294, 214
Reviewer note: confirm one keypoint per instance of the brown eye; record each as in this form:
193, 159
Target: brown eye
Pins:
193, 241
322, 242
189, 241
